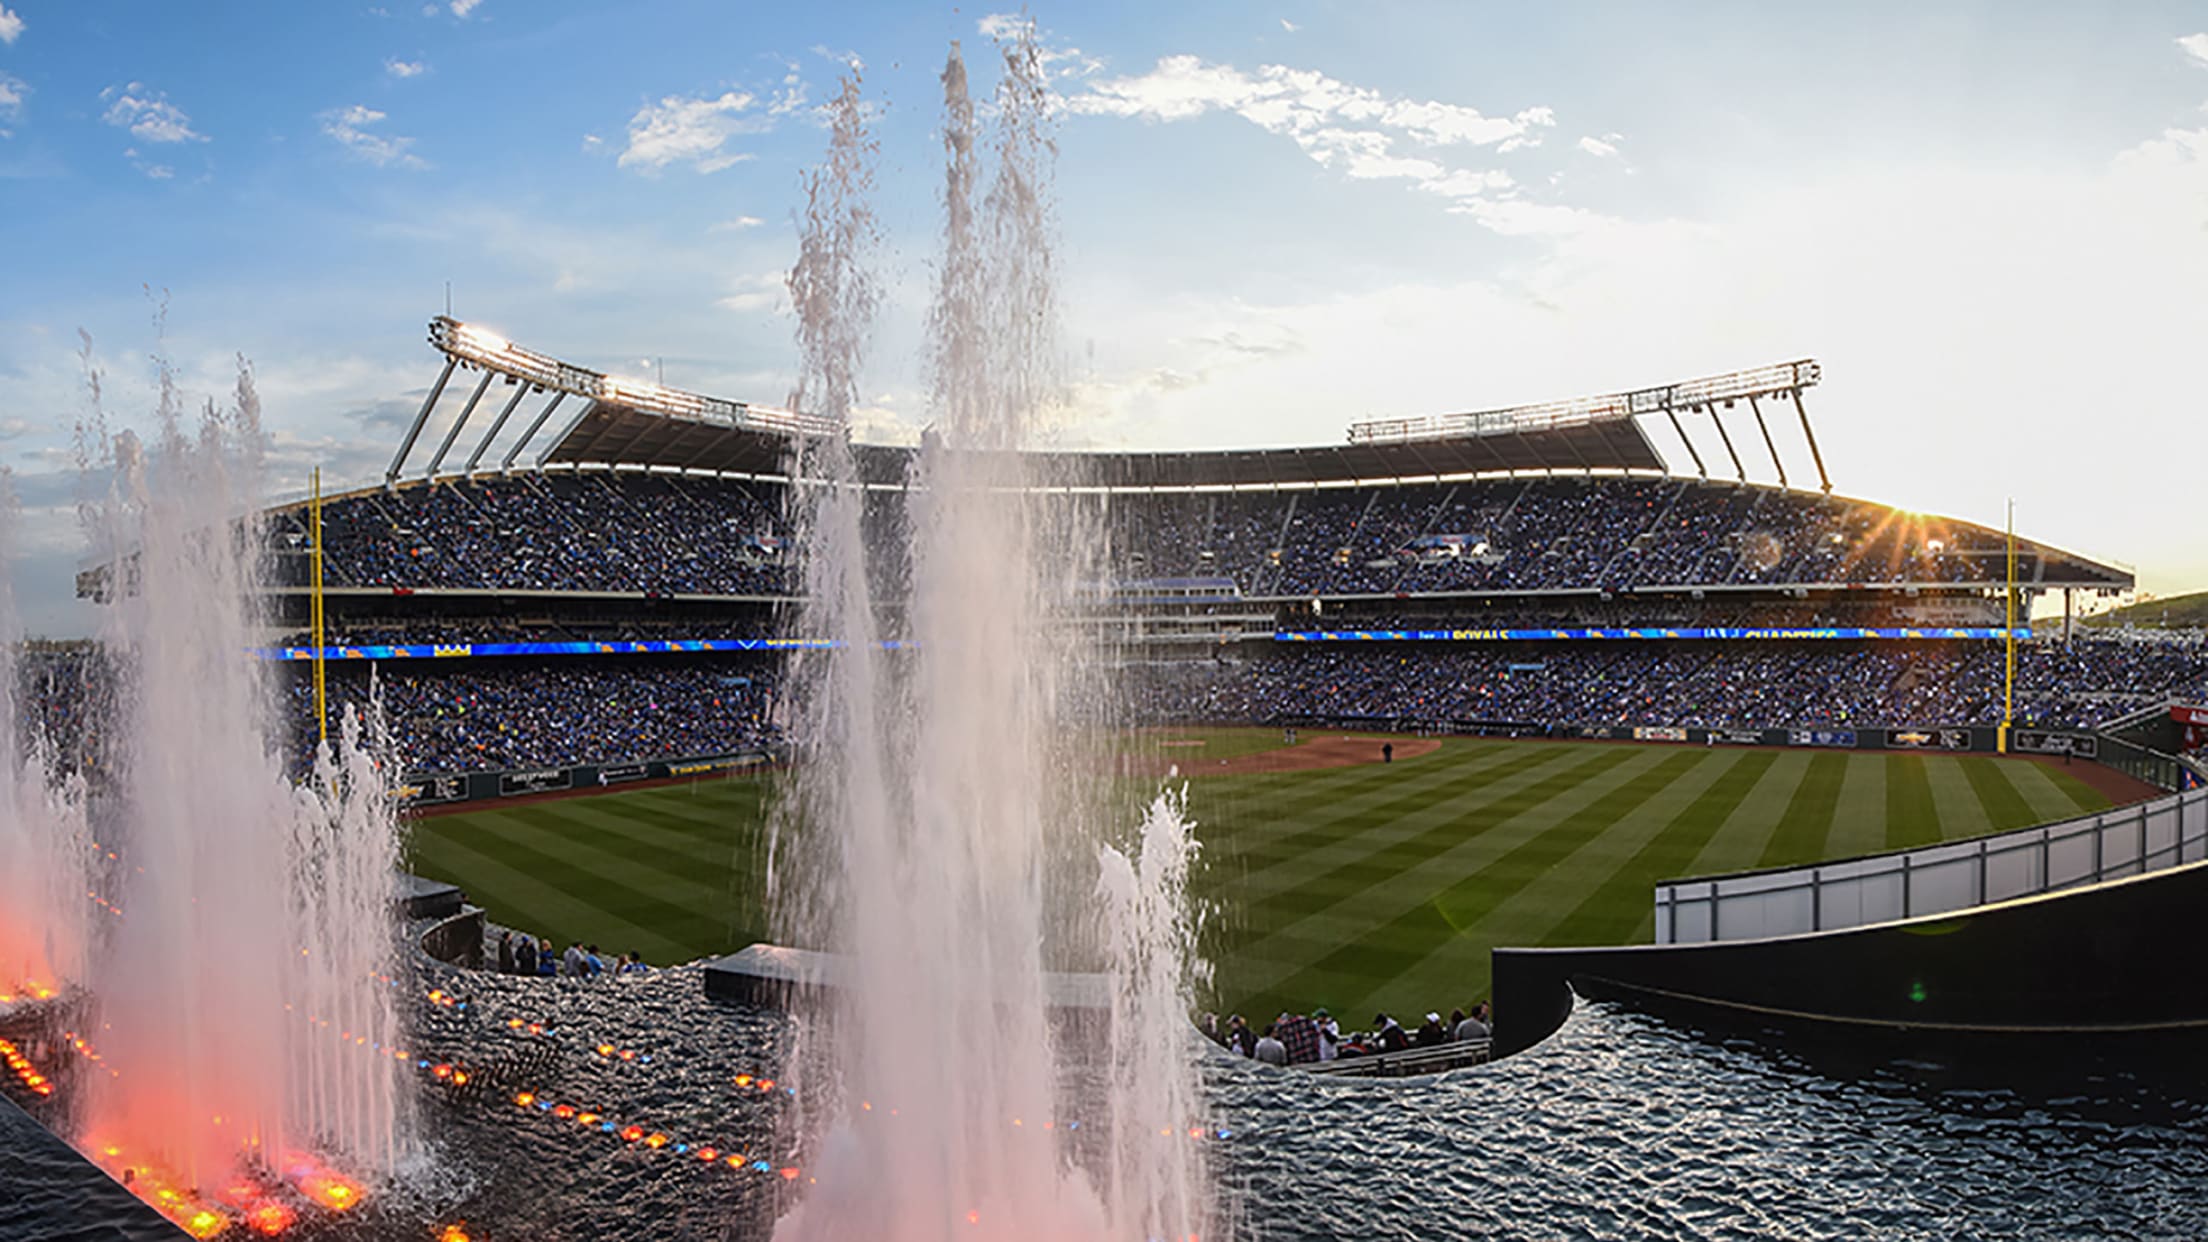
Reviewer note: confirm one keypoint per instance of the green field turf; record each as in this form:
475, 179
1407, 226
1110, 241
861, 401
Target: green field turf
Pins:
1380, 886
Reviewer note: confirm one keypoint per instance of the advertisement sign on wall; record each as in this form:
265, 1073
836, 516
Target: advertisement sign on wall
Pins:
1820, 737
1928, 739
2041, 742
543, 780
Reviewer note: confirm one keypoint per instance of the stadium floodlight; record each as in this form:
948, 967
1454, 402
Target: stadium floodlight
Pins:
1693, 396
481, 347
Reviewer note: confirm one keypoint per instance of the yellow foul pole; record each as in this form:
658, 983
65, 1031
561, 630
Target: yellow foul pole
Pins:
2008, 684
321, 691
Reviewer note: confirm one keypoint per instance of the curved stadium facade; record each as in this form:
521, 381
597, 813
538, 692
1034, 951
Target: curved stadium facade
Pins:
598, 565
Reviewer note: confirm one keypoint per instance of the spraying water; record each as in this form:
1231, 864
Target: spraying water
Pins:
936, 775
240, 994
45, 842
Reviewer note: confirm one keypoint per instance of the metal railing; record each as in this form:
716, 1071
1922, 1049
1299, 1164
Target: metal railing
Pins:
2126, 841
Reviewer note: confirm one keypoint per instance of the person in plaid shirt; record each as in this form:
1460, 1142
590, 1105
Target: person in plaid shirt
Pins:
1301, 1037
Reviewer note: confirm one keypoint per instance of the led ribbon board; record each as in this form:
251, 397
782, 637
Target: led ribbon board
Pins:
461, 651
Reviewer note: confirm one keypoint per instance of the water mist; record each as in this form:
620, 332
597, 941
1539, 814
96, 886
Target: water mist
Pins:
935, 803
242, 995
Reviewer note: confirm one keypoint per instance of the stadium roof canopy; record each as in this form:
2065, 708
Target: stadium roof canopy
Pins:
619, 422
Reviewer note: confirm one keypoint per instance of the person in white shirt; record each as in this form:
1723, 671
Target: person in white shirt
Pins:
1330, 1034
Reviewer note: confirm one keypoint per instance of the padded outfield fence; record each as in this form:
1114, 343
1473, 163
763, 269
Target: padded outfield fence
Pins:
2126, 841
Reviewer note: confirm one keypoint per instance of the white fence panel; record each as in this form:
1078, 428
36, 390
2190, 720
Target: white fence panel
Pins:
1956, 875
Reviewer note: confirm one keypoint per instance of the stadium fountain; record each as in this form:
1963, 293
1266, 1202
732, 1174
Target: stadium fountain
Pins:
945, 841
241, 1005
45, 841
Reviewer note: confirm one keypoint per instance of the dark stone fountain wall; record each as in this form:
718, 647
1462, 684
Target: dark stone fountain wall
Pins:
2114, 962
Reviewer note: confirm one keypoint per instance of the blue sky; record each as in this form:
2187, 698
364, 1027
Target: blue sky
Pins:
1990, 221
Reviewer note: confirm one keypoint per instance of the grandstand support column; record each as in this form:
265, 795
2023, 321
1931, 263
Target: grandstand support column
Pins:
453, 433
1757, 408
1699, 468
565, 432
1823, 480
497, 425
1719, 420
414, 432
531, 434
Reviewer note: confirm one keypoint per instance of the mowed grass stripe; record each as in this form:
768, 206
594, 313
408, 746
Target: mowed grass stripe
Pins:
1911, 818
1378, 840
2005, 807
1621, 909
2052, 794
1739, 841
1859, 821
1387, 952
631, 844
542, 904
1553, 870
664, 840
1317, 828
1800, 835
615, 884
1480, 839
1441, 825
1957, 812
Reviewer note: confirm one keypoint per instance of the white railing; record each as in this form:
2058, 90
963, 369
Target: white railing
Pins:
2132, 840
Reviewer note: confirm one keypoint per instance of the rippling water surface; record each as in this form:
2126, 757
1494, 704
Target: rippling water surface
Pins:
1620, 1127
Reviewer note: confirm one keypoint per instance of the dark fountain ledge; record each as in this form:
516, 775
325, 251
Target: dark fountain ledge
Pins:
775, 976
2106, 967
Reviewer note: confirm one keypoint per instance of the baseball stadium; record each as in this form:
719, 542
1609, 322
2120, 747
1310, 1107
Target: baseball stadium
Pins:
1457, 682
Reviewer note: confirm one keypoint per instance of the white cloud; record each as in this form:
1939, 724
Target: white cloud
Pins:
148, 114
350, 127
1358, 132
764, 291
692, 131
2196, 46
738, 224
405, 68
1289, 26
13, 90
11, 25
1600, 148
461, 8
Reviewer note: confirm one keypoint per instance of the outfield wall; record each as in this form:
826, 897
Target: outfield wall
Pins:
1949, 739
2127, 841
440, 789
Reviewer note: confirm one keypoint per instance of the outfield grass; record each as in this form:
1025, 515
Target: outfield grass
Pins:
1381, 886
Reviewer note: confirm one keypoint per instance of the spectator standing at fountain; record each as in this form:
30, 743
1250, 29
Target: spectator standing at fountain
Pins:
1300, 1036
505, 953
1433, 1034
1269, 1048
547, 964
1330, 1034
571, 962
1390, 1036
593, 964
1240, 1037
1469, 1027
525, 956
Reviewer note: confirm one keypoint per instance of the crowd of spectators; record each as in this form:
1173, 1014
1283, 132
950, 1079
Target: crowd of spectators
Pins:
655, 533
581, 532
1316, 1038
496, 715
1810, 684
